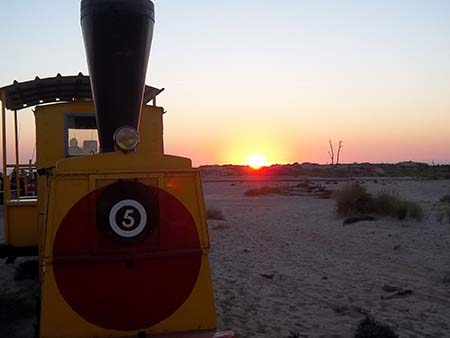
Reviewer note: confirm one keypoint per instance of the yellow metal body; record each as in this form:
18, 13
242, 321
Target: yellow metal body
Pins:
50, 143
50, 130
21, 229
69, 180
22, 223
20, 220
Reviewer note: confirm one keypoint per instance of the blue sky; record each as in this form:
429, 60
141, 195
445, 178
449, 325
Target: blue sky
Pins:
272, 77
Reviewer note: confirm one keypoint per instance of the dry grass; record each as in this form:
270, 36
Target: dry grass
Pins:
445, 198
444, 214
267, 191
354, 200
370, 328
446, 278
388, 203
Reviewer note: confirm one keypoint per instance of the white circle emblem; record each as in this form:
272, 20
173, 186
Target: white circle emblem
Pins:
129, 219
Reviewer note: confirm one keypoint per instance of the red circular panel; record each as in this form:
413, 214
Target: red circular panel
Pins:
132, 286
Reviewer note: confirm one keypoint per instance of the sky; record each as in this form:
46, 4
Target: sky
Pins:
276, 77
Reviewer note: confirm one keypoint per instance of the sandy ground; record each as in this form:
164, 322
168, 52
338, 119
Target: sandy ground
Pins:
284, 264
17, 299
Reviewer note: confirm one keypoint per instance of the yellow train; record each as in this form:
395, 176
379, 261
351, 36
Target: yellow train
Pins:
119, 227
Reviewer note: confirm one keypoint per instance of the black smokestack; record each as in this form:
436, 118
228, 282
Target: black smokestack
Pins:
117, 37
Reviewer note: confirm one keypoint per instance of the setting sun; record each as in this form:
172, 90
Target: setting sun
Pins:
256, 161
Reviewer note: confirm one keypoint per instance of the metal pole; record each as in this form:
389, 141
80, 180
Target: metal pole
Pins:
29, 179
3, 98
5, 176
16, 137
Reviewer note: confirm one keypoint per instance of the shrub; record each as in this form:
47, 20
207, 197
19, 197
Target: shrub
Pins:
370, 328
353, 199
446, 278
445, 198
444, 214
389, 203
214, 214
27, 270
415, 211
267, 191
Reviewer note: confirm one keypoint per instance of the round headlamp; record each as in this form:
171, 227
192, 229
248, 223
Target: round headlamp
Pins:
126, 138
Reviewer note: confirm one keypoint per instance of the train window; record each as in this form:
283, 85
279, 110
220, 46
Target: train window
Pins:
81, 135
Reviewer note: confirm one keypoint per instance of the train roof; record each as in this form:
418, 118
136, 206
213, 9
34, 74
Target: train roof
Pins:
21, 95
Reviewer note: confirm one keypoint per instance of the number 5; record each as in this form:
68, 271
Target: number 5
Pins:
129, 218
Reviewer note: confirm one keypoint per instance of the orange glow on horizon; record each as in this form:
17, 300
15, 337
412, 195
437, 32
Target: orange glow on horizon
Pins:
256, 161
255, 146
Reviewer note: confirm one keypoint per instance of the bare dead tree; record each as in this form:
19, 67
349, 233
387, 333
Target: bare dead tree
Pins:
339, 151
331, 152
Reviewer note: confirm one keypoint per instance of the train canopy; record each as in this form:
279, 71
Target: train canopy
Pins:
21, 95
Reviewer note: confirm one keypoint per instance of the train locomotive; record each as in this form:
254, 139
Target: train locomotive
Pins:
119, 226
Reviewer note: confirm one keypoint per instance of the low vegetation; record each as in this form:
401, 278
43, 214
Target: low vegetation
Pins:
354, 200
17, 304
445, 198
214, 214
359, 218
27, 270
446, 278
301, 189
267, 191
306, 170
370, 328
389, 203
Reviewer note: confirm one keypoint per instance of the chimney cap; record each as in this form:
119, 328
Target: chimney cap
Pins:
138, 7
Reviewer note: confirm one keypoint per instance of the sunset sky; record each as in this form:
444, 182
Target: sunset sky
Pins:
277, 77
